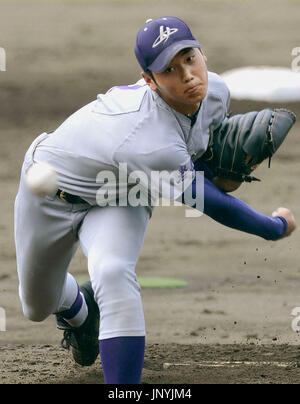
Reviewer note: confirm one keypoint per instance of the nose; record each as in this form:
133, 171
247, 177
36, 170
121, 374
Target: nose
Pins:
187, 75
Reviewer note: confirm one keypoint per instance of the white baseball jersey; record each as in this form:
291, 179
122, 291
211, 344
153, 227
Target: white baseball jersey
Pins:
129, 124
132, 125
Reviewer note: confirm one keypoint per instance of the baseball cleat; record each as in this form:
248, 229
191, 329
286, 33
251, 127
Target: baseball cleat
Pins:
84, 339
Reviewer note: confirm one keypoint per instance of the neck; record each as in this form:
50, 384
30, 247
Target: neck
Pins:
192, 110
185, 109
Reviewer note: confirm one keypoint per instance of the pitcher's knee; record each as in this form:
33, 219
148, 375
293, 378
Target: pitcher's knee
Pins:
117, 293
35, 310
112, 272
113, 276
37, 304
34, 314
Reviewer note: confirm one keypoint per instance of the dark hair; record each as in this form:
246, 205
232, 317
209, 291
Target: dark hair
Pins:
150, 74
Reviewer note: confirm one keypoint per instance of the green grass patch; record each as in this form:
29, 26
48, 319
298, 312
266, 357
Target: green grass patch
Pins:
149, 282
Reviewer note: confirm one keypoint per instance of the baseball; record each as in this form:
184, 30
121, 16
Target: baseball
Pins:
41, 179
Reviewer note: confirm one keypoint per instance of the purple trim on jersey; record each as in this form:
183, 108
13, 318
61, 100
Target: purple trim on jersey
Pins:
74, 309
133, 87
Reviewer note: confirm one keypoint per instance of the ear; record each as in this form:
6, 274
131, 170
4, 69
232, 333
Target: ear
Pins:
149, 81
203, 54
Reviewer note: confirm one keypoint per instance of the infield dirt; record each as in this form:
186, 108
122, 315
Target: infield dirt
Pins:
241, 289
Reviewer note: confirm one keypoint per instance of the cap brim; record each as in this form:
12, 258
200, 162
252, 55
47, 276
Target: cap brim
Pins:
164, 58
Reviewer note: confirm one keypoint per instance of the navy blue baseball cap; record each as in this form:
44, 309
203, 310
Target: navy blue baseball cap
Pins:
159, 40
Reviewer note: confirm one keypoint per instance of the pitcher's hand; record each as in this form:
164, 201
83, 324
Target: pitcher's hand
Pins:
289, 217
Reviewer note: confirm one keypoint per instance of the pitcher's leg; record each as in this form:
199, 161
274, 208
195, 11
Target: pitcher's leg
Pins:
45, 244
112, 238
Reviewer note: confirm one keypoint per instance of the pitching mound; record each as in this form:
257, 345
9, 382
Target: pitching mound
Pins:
164, 364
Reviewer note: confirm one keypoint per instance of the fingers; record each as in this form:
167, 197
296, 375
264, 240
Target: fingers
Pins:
289, 217
275, 213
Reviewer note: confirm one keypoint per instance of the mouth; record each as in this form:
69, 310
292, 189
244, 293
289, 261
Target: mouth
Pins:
193, 89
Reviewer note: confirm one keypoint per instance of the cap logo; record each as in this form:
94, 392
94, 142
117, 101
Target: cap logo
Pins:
164, 35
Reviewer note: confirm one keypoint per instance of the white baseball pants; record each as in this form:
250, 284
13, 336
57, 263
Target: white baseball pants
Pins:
47, 234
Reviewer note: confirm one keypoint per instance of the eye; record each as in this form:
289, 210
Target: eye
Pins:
169, 70
190, 58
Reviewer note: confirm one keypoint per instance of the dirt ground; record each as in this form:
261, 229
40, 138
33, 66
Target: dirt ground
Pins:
232, 323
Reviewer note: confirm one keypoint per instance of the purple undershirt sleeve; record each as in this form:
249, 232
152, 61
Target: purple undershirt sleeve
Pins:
232, 212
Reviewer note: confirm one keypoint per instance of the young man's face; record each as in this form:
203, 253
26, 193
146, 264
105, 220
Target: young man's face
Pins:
183, 85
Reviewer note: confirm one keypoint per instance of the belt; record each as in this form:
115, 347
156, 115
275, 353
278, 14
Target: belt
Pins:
66, 197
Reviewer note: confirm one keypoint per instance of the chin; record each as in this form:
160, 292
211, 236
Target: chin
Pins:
199, 96
197, 100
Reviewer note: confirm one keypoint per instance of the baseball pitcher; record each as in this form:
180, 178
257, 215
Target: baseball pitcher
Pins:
164, 122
